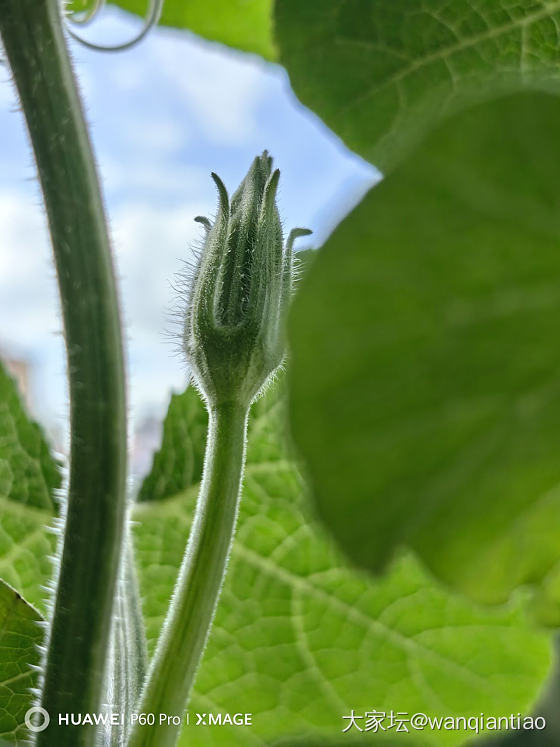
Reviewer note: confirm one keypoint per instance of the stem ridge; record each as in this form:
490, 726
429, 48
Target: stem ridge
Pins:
73, 680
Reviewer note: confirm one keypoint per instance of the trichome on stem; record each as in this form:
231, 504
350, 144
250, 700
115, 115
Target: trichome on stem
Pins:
233, 341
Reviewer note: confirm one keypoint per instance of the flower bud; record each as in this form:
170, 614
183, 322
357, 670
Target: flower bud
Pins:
234, 323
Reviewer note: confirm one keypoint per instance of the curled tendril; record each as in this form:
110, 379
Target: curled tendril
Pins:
82, 18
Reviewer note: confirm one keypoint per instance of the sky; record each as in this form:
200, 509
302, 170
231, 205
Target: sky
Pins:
162, 115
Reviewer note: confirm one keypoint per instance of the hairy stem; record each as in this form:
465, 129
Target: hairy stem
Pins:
73, 681
189, 620
129, 656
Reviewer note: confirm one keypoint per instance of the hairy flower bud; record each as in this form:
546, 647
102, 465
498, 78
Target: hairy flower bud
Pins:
234, 324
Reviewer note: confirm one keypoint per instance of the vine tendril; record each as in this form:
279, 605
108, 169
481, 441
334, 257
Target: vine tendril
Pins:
85, 18
151, 19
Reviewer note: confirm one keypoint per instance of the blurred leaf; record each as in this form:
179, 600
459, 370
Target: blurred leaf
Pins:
20, 636
425, 372
29, 477
28, 473
243, 24
300, 638
178, 463
545, 606
382, 73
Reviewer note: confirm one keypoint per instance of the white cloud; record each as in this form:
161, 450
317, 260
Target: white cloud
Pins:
163, 181
30, 322
157, 132
29, 305
149, 242
217, 87
222, 93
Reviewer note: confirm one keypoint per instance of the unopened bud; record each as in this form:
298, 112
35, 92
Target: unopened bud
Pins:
234, 325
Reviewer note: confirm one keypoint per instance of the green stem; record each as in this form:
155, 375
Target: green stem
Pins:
33, 39
189, 620
129, 656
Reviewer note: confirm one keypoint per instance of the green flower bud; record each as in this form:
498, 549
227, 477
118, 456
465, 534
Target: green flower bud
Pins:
241, 287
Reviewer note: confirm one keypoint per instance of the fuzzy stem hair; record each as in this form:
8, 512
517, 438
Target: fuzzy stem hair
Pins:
78, 642
189, 620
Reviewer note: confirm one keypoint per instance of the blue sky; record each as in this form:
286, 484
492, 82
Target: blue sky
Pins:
163, 115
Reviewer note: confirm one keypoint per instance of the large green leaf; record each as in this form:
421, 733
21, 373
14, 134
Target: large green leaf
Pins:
178, 463
380, 72
29, 479
300, 638
244, 24
426, 365
20, 636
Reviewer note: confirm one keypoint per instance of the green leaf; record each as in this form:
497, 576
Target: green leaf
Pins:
29, 479
20, 636
382, 73
300, 638
28, 473
178, 464
243, 24
425, 387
